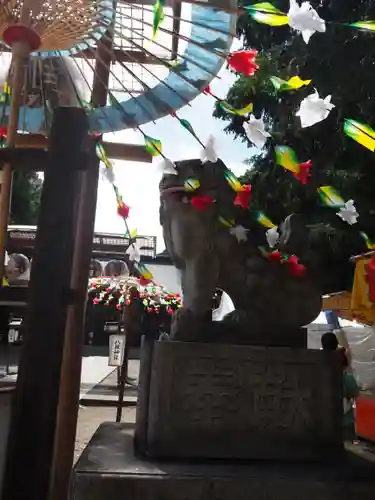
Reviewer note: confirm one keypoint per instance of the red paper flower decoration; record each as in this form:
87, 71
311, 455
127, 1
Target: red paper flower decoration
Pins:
304, 173
242, 61
275, 256
243, 197
298, 271
202, 202
292, 260
295, 268
123, 210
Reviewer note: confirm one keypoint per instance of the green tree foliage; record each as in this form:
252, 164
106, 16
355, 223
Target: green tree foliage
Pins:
27, 188
340, 63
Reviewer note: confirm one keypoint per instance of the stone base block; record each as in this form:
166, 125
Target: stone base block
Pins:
241, 402
108, 469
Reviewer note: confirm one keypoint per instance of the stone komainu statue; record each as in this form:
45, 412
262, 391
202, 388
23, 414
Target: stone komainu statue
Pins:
266, 296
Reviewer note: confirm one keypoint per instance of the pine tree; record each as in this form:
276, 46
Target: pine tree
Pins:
340, 63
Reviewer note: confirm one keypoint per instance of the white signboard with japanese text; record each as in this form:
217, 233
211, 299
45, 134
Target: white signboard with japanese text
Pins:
116, 350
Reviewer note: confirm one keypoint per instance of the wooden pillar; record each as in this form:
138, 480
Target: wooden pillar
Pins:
74, 335
31, 440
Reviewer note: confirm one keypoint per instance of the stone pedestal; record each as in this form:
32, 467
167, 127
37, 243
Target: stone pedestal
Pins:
204, 401
108, 469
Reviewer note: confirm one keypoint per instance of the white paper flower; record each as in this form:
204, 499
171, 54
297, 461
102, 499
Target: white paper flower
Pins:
168, 167
108, 174
255, 131
305, 19
272, 236
348, 213
209, 151
239, 232
133, 253
314, 109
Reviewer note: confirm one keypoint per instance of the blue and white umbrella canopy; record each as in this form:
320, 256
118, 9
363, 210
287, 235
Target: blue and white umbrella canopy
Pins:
150, 77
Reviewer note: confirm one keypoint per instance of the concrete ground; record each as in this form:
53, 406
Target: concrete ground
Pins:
90, 418
98, 388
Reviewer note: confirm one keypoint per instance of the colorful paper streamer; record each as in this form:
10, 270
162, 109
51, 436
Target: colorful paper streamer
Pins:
266, 13
361, 133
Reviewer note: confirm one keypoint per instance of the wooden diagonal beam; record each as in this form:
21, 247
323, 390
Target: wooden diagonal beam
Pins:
114, 150
124, 56
176, 28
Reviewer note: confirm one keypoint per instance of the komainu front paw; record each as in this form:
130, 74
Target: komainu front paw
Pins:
187, 326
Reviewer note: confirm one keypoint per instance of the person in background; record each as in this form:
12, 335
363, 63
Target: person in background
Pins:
329, 341
350, 390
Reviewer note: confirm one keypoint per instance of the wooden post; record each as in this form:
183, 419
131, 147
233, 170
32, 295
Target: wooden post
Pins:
31, 440
20, 54
122, 381
141, 421
74, 336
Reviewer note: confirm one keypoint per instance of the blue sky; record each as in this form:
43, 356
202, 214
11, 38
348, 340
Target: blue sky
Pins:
138, 182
